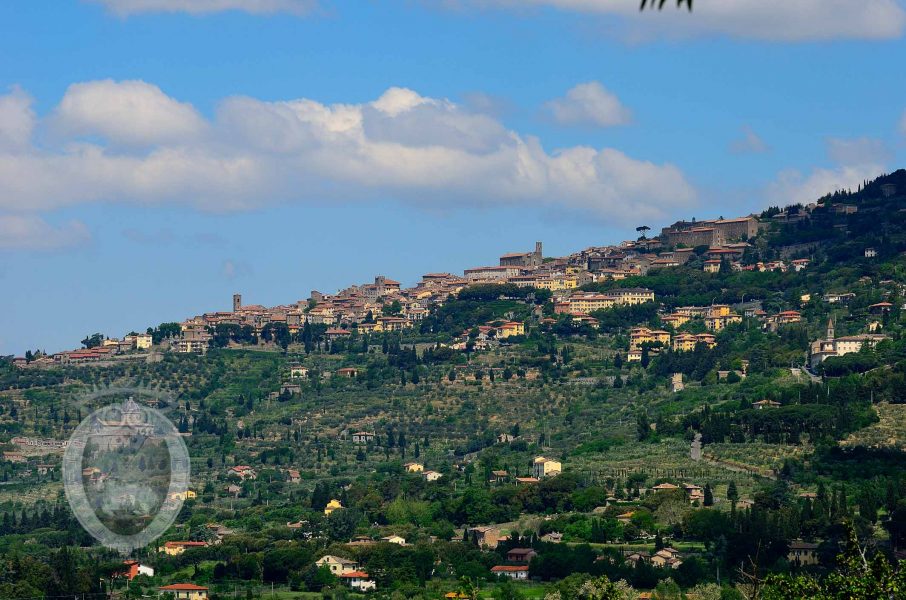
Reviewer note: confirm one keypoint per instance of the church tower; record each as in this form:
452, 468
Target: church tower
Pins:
830, 329
237, 302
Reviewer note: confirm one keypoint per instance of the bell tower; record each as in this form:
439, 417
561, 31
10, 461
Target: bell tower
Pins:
237, 302
830, 329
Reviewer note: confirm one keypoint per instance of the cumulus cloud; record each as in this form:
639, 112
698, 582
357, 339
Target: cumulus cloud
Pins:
858, 151
776, 20
589, 104
792, 187
127, 112
199, 7
30, 232
415, 148
17, 119
749, 143
857, 160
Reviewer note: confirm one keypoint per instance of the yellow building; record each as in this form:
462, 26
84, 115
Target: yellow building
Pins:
686, 342
643, 335
707, 339
414, 467
720, 316
177, 548
557, 284
545, 467
588, 302
683, 342
332, 506
712, 266
186, 495
675, 319
719, 310
510, 329
631, 295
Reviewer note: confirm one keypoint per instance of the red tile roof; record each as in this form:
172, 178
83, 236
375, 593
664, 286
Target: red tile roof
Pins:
352, 574
184, 587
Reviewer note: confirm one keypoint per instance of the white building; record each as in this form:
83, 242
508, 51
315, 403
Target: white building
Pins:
358, 580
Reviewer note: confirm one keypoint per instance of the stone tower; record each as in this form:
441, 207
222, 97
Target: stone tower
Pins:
830, 329
237, 302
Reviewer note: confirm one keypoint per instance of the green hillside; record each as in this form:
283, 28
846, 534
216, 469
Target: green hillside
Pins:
824, 459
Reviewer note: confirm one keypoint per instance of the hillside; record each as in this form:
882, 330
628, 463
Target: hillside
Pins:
799, 440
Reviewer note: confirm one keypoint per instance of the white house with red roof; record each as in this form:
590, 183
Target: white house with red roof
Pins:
185, 591
512, 571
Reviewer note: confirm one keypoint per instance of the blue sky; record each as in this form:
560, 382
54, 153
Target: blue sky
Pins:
158, 155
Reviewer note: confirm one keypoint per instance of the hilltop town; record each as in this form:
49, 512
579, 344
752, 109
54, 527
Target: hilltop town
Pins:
384, 306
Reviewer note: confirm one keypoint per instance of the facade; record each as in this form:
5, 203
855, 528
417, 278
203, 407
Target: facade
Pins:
135, 568
686, 342
832, 346
545, 467
185, 591
720, 316
358, 580
484, 274
631, 295
518, 572
362, 437
333, 505
485, 537
709, 233
394, 539
177, 548
643, 335
431, 475
803, 553
523, 259
523, 555
510, 329
337, 565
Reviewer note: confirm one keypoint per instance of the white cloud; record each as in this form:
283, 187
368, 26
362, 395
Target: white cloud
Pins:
127, 112
749, 143
792, 187
589, 104
199, 7
777, 20
17, 119
29, 232
403, 145
858, 151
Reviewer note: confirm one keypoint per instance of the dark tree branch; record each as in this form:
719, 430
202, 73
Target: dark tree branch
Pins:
659, 4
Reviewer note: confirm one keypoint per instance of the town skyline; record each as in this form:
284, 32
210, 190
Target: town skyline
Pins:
362, 160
